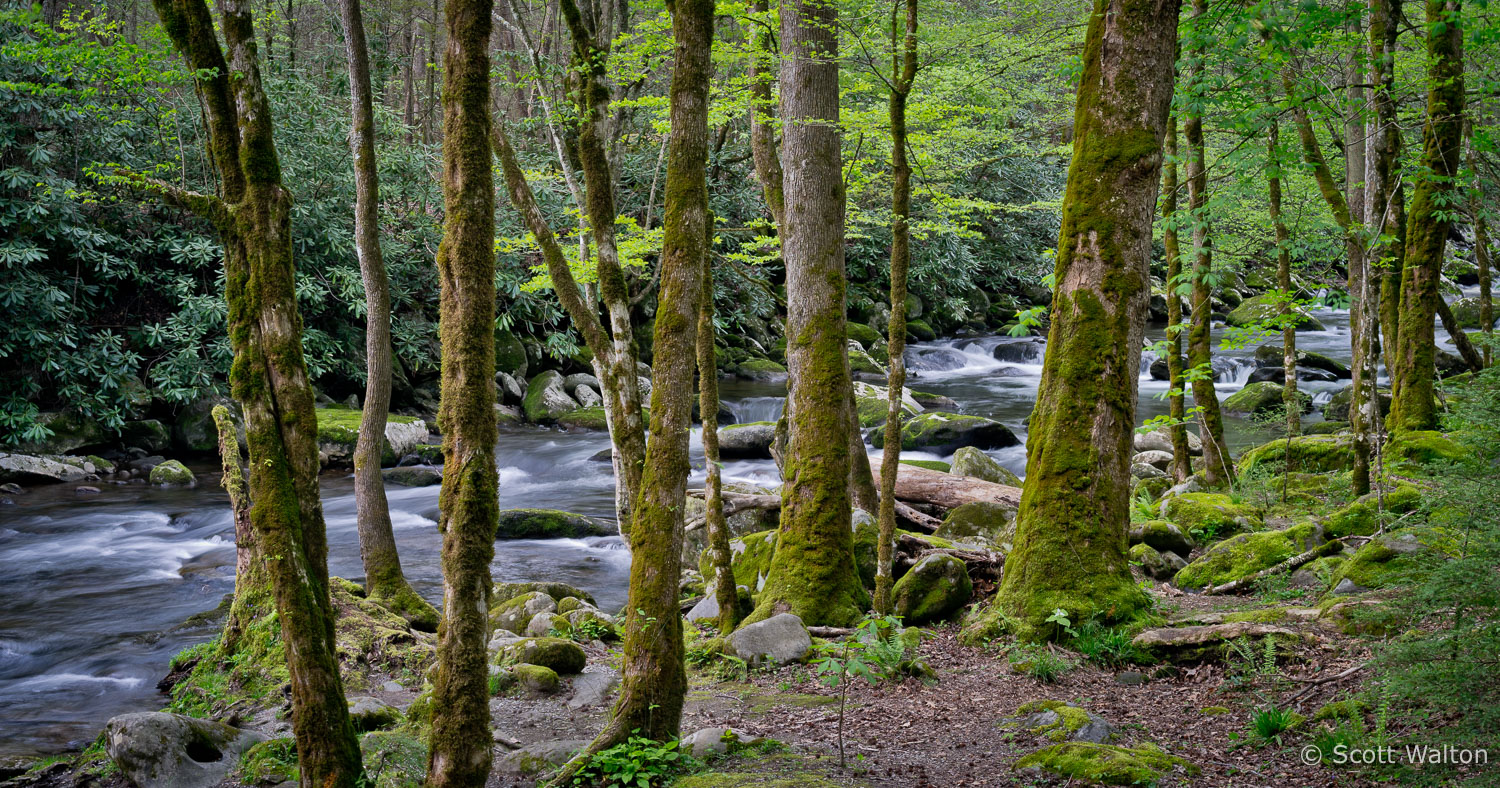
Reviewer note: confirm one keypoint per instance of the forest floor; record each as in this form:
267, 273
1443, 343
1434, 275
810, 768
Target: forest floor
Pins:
960, 729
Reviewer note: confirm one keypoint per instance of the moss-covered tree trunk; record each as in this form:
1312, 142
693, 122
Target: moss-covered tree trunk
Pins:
384, 580
1413, 402
722, 582
268, 377
1289, 394
813, 573
653, 677
1363, 301
1217, 467
763, 149
460, 742
1070, 530
1384, 205
252, 595
1182, 456
1479, 215
903, 72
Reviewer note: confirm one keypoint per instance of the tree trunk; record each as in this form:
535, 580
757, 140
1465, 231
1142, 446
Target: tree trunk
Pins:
1413, 406
460, 742
763, 119
252, 596
1216, 463
1362, 306
1384, 213
723, 584
1070, 531
1182, 460
1479, 216
384, 580
269, 375
813, 573
1289, 398
653, 677
903, 72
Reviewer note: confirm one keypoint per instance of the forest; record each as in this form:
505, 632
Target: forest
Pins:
711, 393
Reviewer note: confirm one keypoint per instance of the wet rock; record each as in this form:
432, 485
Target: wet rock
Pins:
1262, 308
510, 390
947, 432
413, 475
86, 490
548, 524
748, 441
1270, 355
37, 470
779, 640
872, 404
933, 590
173, 751
172, 474
1259, 398
338, 434
761, 369
1304, 374
588, 397
1337, 406
969, 461
546, 398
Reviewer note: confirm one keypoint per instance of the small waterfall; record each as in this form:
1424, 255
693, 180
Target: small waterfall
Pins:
1233, 370
757, 409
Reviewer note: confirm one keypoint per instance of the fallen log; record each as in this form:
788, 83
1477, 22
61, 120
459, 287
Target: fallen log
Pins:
735, 503
948, 490
1290, 564
982, 564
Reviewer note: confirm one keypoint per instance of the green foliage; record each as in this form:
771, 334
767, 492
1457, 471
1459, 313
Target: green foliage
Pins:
1269, 723
1038, 661
637, 762
1108, 647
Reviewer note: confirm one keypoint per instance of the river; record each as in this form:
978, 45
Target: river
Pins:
95, 588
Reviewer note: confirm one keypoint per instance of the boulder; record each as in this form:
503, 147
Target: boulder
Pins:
1061, 721
778, 640
862, 363
947, 432
1141, 470
194, 430
750, 560
27, 469
969, 461
872, 404
158, 750
1105, 763
1382, 563
338, 433
148, 434
1245, 554
587, 419
749, 441
1161, 535
413, 476
510, 390
1161, 460
716, 741
761, 369
172, 474
563, 656
1161, 440
1161, 565
1210, 641
1270, 355
919, 331
535, 679
1259, 310
370, 714
546, 399
867, 337
548, 524
1303, 453
510, 354
1337, 406
934, 401
504, 592
69, 431
933, 590
513, 615
993, 524
1212, 514
543, 756
1421, 447
593, 687
1466, 312
1259, 398
588, 397
1304, 374
573, 381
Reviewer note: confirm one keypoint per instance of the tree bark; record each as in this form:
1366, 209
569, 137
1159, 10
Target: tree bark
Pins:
724, 590
252, 596
763, 149
903, 72
1289, 398
1384, 214
1363, 310
1070, 531
1217, 469
384, 580
1479, 216
813, 573
1413, 404
1182, 460
268, 377
459, 745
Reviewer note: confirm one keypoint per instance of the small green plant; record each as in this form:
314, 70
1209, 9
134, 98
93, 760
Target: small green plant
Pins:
637, 762
1269, 723
1142, 508
1109, 647
1060, 618
1038, 662
591, 629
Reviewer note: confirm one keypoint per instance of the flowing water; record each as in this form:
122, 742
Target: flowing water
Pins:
94, 589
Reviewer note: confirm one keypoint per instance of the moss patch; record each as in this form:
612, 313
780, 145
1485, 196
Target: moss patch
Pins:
1422, 447
1243, 555
1069, 718
548, 524
750, 560
1105, 763
1210, 514
931, 465
1304, 453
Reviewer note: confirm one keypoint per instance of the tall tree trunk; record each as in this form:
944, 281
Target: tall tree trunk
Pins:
653, 677
460, 742
1362, 303
252, 596
1217, 467
812, 573
724, 590
1384, 206
1182, 459
903, 72
269, 375
377, 543
1479, 216
1289, 394
1075, 508
763, 149
1413, 404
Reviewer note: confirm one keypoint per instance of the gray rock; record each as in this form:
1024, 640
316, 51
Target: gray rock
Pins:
572, 382
510, 390
548, 524
1141, 470
593, 687
540, 757
1161, 535
392, 686
11, 488
37, 470
1096, 730
539, 625
172, 474
1161, 459
1130, 678
1347, 586
749, 441
1161, 440
716, 741
588, 397
195, 431
969, 461
157, 750
547, 399
515, 614
779, 640
413, 475
371, 714
86, 490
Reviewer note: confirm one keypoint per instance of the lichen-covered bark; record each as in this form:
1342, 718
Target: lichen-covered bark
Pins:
468, 505
252, 595
268, 376
377, 543
653, 677
1182, 458
722, 583
763, 150
1289, 394
1070, 531
903, 72
1413, 406
813, 573
1384, 205
1217, 467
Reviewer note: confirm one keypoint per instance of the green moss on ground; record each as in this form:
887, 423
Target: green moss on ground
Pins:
1105, 763
1208, 515
1244, 555
1304, 453
269, 762
1421, 448
931, 465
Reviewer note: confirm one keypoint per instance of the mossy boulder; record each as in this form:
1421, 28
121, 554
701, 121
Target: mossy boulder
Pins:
1061, 721
504, 592
546, 399
862, 363
749, 441
933, 590
1385, 562
584, 419
969, 461
919, 331
1158, 564
338, 433
510, 354
1161, 535
172, 474
1337, 406
1259, 310
867, 337
413, 476
947, 432
548, 524
147, 434
269, 762
535, 679
514, 614
1360, 518
1246, 554
1209, 514
69, 431
1260, 398
1210, 642
1303, 453
1150, 489
983, 521
1270, 356
369, 713
1466, 312
563, 656
871, 403
751, 559
1422, 447
761, 369
1105, 763
1317, 574
931, 465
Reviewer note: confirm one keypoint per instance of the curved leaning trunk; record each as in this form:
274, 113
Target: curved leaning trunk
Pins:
1182, 460
1070, 530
